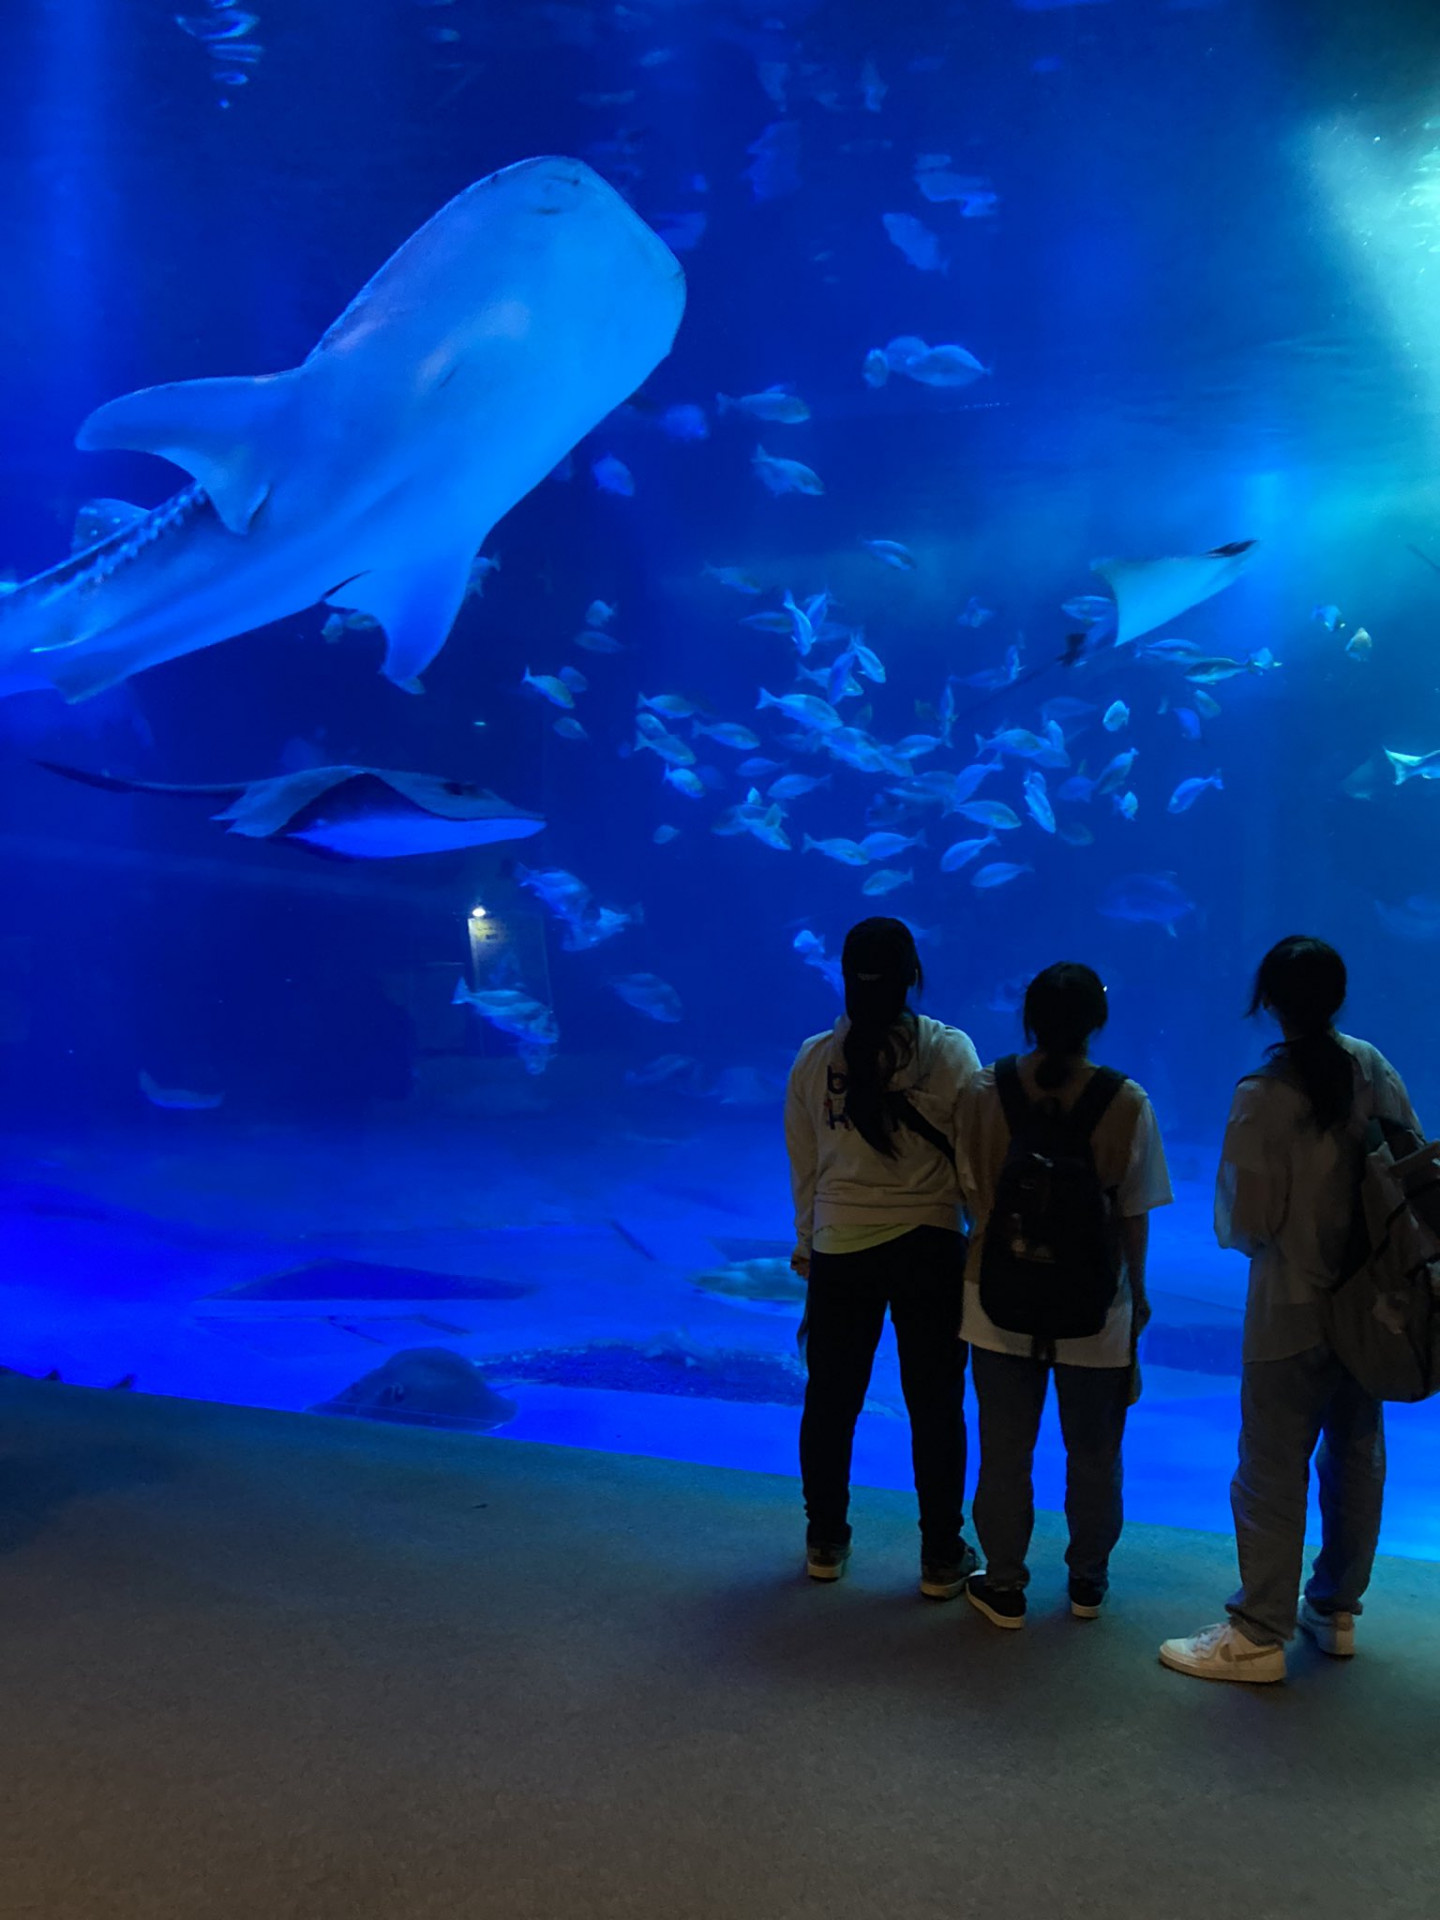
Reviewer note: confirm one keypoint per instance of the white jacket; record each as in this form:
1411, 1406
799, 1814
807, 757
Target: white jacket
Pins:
837, 1176
1285, 1195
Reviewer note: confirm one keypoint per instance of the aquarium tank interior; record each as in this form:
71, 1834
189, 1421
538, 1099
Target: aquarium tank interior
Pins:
524, 519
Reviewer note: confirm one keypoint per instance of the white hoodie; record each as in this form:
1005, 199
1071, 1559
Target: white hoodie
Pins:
837, 1176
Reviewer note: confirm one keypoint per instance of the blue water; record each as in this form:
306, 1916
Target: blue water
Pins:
1195, 258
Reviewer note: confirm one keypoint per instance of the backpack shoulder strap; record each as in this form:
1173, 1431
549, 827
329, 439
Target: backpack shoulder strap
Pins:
1012, 1094
906, 1113
1095, 1102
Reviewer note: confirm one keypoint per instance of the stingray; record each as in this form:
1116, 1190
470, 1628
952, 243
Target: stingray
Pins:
500, 334
353, 813
1150, 592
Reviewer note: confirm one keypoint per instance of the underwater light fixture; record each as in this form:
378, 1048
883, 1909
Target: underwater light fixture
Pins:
478, 913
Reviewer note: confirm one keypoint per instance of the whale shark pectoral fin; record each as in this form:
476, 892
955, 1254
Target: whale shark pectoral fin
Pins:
227, 433
416, 602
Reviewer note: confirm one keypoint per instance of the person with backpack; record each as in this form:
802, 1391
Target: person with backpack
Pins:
870, 1116
1288, 1195
1063, 1164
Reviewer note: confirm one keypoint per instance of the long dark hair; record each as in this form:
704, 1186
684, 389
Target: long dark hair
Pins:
1064, 1005
880, 966
1302, 982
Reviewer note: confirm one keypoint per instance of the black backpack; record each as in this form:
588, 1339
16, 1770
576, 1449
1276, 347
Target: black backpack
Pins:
1051, 1262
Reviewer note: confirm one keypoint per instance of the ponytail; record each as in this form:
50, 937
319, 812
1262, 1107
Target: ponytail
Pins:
1302, 981
880, 966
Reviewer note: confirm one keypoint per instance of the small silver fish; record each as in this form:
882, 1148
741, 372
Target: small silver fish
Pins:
779, 404
550, 687
892, 553
785, 476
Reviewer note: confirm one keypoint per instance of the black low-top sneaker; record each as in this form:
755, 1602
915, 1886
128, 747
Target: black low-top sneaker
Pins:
825, 1560
945, 1579
1001, 1606
1086, 1599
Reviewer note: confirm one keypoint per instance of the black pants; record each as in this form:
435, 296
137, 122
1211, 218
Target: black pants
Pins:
920, 1278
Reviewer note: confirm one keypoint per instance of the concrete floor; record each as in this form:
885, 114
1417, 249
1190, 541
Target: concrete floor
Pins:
265, 1665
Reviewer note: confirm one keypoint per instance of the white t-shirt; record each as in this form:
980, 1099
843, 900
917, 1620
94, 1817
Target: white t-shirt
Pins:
1129, 1158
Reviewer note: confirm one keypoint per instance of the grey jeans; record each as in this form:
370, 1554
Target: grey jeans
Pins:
1286, 1408
1093, 1404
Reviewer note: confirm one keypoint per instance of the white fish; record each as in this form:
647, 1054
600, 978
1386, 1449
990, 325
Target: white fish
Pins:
1189, 791
551, 686
728, 733
807, 709
781, 404
947, 366
849, 853
884, 845
599, 614
1117, 716
683, 780
1037, 800
976, 198
178, 1099
886, 881
793, 786
875, 369
785, 476
370, 476
919, 245
989, 813
649, 994
892, 553
736, 578
963, 852
999, 873
613, 476
1116, 772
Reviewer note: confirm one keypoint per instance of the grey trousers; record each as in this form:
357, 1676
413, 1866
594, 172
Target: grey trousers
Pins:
1286, 1408
1093, 1404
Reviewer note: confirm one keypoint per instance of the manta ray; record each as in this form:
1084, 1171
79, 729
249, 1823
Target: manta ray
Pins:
1150, 592
500, 334
353, 813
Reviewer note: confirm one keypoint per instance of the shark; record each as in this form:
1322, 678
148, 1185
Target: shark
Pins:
349, 813
367, 478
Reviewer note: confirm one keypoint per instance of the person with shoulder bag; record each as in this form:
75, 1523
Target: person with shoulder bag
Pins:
870, 1116
1288, 1195
1062, 1164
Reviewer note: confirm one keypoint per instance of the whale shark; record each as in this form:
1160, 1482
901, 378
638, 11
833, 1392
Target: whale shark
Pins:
526, 310
351, 813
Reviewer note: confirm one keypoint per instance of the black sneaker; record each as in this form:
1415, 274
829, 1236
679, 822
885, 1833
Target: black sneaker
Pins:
826, 1560
945, 1579
1002, 1606
1086, 1599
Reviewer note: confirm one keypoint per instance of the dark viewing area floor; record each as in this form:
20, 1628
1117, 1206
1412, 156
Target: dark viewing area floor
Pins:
267, 1665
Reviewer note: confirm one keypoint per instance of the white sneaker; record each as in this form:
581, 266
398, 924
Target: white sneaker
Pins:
1333, 1633
1223, 1653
